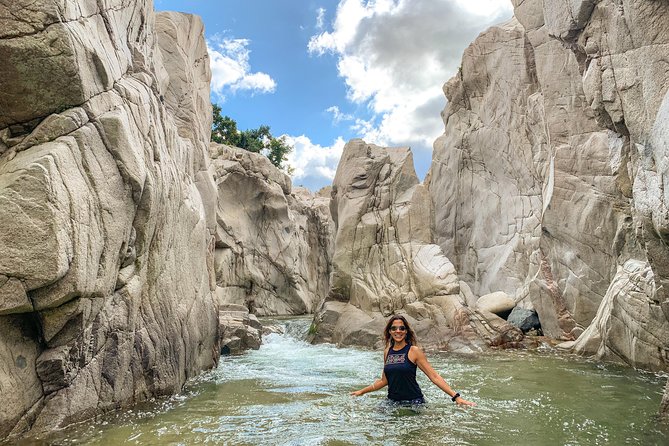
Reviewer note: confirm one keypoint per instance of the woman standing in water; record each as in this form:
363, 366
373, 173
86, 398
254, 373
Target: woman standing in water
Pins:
401, 358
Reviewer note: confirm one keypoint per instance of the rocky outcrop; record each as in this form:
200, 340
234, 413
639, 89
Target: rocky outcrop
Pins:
547, 182
385, 262
239, 330
273, 242
107, 209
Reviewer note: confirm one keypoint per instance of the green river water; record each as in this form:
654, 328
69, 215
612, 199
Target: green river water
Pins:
292, 393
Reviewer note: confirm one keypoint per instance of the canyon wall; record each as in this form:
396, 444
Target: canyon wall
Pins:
549, 181
385, 263
274, 242
108, 210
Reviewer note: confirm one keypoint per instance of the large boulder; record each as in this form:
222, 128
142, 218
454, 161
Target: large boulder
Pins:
238, 329
273, 242
547, 182
385, 262
107, 209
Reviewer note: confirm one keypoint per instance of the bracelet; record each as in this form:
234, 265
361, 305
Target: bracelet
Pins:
373, 387
455, 397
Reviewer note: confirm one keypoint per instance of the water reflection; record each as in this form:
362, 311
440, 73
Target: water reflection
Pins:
293, 393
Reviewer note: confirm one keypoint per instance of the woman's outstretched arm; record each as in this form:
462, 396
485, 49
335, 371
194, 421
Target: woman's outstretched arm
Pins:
376, 385
422, 362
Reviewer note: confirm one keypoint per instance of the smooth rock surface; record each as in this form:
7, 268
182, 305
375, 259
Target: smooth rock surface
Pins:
385, 262
273, 242
106, 248
547, 182
498, 303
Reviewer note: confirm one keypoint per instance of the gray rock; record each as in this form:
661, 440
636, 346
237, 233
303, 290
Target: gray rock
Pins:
106, 250
547, 183
238, 330
385, 262
273, 243
524, 319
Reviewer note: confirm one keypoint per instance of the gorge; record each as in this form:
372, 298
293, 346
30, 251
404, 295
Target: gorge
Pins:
127, 238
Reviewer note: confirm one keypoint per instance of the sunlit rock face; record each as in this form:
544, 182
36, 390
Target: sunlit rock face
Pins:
107, 209
548, 183
274, 242
385, 262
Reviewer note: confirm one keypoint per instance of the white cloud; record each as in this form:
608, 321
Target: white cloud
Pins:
231, 70
337, 115
320, 18
394, 56
313, 165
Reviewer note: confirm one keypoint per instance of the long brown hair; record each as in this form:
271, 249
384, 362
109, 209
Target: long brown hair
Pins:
410, 337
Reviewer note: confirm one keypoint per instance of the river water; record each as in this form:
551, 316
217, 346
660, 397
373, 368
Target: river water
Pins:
292, 393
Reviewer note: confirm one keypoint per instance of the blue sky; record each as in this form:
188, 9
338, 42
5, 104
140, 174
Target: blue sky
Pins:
324, 71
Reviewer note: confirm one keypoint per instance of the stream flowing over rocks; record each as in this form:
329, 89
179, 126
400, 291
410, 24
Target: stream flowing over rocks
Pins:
133, 252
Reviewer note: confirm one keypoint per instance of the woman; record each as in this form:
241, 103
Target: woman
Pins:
401, 358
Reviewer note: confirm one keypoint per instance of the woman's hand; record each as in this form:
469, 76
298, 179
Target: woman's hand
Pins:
463, 402
357, 393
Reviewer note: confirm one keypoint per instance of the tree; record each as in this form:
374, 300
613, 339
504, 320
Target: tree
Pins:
224, 131
278, 151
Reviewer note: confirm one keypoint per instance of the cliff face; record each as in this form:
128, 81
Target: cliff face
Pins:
273, 242
548, 183
385, 262
107, 209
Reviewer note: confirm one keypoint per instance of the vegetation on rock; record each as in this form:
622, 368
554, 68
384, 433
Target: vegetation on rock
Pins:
224, 131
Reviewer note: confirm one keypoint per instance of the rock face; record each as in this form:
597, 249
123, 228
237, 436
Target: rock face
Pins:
239, 330
548, 183
273, 243
385, 262
107, 209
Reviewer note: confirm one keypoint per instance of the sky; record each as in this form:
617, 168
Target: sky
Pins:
322, 72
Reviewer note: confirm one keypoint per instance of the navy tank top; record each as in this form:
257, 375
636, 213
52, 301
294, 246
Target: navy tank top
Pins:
401, 375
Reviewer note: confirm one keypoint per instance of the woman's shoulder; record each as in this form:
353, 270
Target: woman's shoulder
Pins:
415, 351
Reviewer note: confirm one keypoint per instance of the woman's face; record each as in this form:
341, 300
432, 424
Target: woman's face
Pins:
398, 330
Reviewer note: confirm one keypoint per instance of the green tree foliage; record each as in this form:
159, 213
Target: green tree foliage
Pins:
224, 131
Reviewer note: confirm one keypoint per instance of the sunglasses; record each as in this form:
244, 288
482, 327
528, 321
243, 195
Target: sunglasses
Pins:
398, 328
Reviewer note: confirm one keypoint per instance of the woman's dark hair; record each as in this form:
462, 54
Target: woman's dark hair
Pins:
411, 336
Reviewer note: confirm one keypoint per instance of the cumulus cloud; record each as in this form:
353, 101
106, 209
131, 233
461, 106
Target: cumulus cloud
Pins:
314, 166
394, 56
231, 70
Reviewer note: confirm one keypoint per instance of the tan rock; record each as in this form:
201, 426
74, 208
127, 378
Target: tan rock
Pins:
273, 243
498, 302
547, 182
106, 251
384, 262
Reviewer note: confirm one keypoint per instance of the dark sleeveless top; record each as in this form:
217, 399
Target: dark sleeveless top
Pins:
401, 375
